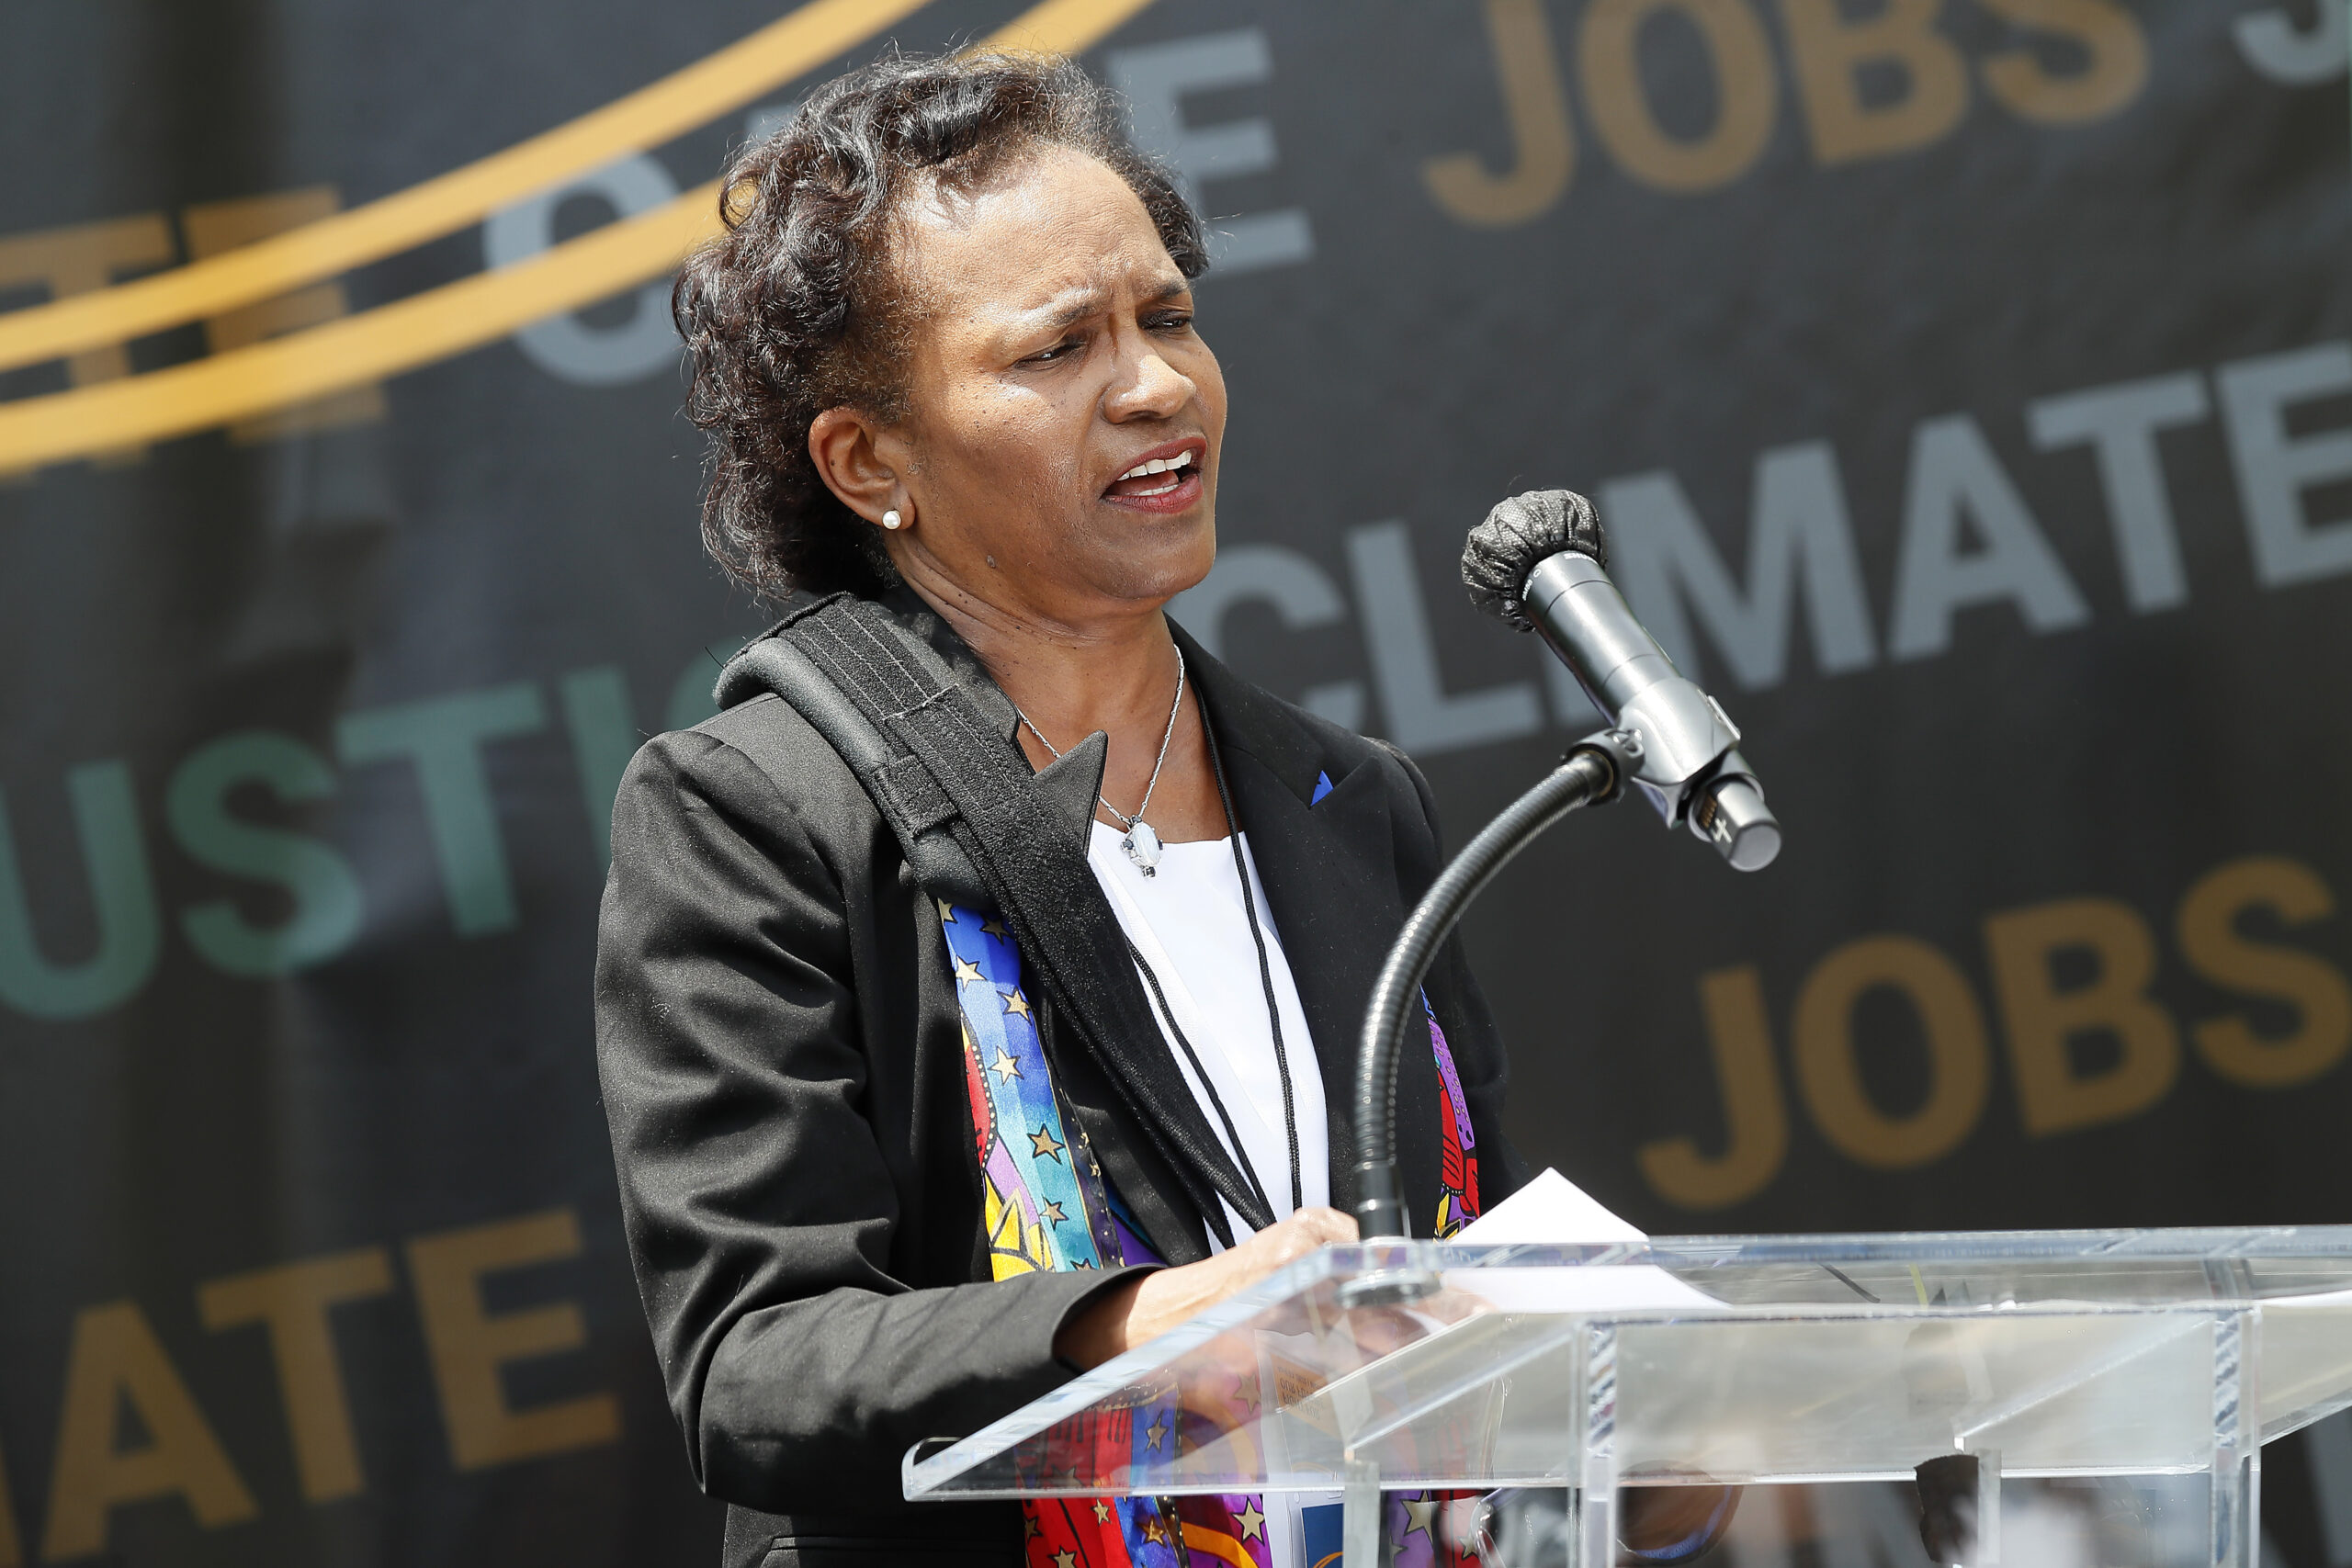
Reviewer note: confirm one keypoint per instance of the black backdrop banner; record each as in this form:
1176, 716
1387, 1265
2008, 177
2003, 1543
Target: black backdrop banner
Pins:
1967, 386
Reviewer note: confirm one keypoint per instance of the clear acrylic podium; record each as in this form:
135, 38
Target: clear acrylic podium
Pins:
2070, 1358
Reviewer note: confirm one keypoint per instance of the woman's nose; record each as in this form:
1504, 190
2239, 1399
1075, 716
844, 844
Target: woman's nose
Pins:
1151, 388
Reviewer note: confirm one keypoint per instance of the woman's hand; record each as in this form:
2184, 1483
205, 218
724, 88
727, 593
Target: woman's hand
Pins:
1144, 1308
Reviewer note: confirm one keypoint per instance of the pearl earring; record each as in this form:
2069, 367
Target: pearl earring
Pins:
890, 520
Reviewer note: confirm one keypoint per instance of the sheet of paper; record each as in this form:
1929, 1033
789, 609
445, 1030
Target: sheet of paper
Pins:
1552, 1210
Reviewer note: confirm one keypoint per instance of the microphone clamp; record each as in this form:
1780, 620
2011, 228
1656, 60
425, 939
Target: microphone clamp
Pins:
1671, 740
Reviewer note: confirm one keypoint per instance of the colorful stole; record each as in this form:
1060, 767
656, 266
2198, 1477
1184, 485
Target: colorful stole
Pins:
1048, 1208
1457, 1176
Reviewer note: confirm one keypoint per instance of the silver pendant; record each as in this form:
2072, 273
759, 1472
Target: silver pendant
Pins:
1143, 847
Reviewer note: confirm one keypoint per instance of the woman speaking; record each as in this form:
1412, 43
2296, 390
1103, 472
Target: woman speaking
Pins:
977, 993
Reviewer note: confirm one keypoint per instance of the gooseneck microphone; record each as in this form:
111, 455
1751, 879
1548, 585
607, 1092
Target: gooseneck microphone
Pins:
1538, 562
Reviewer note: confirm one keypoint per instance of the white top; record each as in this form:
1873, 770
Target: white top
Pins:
1190, 926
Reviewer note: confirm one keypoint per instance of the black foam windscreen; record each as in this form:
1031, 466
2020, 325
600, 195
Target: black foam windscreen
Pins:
1518, 533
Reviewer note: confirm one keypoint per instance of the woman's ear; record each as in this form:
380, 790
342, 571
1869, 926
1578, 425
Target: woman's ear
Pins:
846, 445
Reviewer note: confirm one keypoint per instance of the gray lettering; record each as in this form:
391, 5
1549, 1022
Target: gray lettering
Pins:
2274, 469
1154, 79
1302, 597
2297, 56
2121, 423
1954, 474
1798, 532
1421, 716
564, 345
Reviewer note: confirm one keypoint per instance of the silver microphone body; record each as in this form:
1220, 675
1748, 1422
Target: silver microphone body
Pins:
1680, 747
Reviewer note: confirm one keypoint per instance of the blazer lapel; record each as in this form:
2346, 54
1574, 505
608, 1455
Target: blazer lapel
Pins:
1133, 1104
1330, 870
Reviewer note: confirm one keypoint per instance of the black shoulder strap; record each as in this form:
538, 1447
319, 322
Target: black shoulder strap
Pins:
980, 829
901, 788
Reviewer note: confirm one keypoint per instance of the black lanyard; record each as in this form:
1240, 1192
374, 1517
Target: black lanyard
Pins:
1274, 1009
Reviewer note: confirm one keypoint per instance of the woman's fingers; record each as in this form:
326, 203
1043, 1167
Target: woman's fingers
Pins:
1312, 1228
1325, 1224
1293, 1239
1128, 1317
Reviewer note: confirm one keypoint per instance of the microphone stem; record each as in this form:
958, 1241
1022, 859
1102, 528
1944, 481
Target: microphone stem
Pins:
1587, 777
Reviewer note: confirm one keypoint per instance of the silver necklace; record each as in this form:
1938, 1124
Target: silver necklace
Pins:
1141, 843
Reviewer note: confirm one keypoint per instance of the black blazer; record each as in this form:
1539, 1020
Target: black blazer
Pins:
783, 1070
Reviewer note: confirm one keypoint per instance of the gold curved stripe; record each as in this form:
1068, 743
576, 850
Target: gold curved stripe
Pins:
1217, 1543
1063, 26
817, 32
384, 341
433, 325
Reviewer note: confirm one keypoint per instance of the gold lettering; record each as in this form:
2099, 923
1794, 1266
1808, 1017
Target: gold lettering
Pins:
2041, 1021
12, 1540
292, 1302
1830, 52
79, 260
219, 226
1830, 1073
2108, 33
1746, 92
1755, 1117
467, 1344
84, 258
2209, 940
116, 1360
1537, 108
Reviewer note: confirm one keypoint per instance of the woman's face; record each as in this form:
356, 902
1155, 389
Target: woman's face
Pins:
1054, 355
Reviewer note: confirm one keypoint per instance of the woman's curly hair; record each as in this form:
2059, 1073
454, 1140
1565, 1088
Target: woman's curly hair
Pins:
795, 309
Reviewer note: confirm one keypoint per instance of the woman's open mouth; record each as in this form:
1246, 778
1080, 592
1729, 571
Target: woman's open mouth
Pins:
1169, 483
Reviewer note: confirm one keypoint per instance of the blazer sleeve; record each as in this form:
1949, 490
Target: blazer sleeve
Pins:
1469, 1025
758, 1205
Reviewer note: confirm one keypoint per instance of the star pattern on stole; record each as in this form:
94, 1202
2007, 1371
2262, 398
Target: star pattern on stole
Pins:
1253, 1522
1154, 1433
1052, 1212
1042, 1145
1004, 1067
967, 972
1015, 1003
1418, 1513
